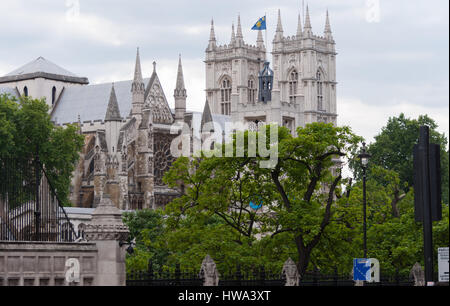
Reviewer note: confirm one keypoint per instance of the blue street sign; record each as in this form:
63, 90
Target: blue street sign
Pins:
361, 269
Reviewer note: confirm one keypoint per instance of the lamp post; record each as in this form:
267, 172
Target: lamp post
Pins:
364, 158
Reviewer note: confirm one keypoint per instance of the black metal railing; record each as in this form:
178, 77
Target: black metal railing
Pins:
164, 277
29, 207
255, 277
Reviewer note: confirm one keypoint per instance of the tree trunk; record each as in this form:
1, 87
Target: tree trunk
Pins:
304, 255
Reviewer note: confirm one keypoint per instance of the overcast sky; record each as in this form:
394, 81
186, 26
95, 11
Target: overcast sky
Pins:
393, 54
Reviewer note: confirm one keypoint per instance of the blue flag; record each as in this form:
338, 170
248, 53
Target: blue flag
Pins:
260, 24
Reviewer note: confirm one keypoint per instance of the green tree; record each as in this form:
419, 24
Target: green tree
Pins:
393, 149
26, 128
298, 194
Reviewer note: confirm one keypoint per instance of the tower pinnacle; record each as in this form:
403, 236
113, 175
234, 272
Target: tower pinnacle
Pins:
180, 94
212, 37
328, 33
279, 31
299, 27
308, 28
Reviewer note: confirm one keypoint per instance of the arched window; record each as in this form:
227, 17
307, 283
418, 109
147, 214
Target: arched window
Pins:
319, 91
225, 91
293, 83
25, 91
53, 95
251, 91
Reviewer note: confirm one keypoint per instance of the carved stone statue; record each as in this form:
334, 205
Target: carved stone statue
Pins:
290, 273
208, 272
418, 274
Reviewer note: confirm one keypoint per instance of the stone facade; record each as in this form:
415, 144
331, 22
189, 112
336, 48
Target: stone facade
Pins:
128, 132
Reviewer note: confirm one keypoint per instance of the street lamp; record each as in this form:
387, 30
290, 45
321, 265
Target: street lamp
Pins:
364, 158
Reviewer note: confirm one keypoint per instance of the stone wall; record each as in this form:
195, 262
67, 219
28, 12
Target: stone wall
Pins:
44, 263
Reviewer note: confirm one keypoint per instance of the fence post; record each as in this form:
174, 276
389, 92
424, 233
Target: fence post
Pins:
336, 277
315, 277
262, 275
238, 274
37, 212
177, 274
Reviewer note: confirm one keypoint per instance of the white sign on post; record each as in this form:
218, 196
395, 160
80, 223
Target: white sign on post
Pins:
443, 263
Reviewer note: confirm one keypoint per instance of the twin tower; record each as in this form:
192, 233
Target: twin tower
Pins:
301, 88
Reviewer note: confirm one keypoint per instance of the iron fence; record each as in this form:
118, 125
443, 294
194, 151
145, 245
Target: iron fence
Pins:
29, 207
256, 277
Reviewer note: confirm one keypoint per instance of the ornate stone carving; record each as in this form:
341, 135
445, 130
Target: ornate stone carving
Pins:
162, 157
290, 273
106, 223
208, 272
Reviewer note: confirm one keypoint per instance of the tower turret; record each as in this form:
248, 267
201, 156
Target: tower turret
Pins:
180, 94
137, 88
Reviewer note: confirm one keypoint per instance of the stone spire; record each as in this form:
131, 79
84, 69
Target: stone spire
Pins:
328, 33
180, 94
239, 35
260, 40
279, 31
137, 87
299, 26
112, 112
308, 28
212, 37
206, 116
233, 36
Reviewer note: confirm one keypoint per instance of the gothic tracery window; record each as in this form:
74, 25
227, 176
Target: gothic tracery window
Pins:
251, 91
225, 92
319, 91
293, 83
163, 159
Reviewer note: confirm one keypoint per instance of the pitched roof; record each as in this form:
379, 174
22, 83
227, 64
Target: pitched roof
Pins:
113, 112
42, 67
91, 102
206, 116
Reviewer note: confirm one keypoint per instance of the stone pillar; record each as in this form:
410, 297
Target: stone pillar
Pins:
418, 274
106, 229
290, 273
209, 273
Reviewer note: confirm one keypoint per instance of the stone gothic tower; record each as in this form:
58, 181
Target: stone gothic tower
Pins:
232, 71
180, 95
303, 89
305, 72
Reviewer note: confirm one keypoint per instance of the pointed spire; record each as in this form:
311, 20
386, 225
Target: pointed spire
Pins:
212, 35
279, 31
138, 81
260, 40
307, 27
279, 25
137, 69
180, 90
206, 116
112, 112
239, 28
299, 27
307, 19
233, 36
328, 27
